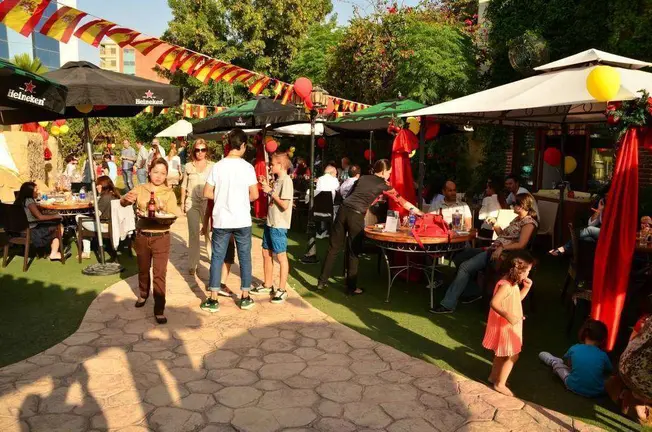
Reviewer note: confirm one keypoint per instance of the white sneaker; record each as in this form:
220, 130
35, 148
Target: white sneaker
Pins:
86, 255
547, 358
319, 236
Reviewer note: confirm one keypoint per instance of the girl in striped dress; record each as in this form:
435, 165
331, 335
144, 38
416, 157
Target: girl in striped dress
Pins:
504, 334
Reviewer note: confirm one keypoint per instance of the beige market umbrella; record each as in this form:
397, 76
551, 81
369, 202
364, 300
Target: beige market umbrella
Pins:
9, 182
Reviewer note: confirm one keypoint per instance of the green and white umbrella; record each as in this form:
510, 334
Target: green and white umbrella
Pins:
374, 118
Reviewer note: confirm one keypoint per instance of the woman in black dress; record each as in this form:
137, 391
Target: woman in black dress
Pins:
350, 219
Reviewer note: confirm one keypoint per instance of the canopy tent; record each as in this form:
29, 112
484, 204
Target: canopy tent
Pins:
180, 128
95, 92
25, 94
374, 118
559, 96
297, 129
252, 114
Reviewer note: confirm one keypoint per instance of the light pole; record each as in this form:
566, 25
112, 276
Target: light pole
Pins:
319, 99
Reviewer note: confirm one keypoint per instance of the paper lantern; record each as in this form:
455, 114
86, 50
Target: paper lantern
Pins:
64, 129
271, 146
552, 156
43, 123
54, 130
570, 164
369, 155
413, 125
330, 107
84, 109
603, 83
303, 87
321, 142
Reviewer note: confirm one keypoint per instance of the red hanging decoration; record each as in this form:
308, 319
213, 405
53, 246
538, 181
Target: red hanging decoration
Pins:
30, 127
303, 87
44, 134
321, 142
47, 154
271, 146
369, 154
59, 123
330, 107
552, 156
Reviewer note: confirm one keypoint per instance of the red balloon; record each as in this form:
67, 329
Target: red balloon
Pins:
330, 107
432, 131
30, 127
552, 156
60, 122
308, 103
369, 154
271, 146
321, 142
303, 87
45, 135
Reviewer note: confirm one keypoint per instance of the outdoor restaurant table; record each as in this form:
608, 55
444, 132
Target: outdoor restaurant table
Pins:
403, 241
68, 208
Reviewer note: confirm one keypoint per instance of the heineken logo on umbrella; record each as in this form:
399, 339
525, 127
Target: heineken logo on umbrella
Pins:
149, 99
26, 94
240, 122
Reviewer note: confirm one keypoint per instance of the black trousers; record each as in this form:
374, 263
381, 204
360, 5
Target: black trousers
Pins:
351, 222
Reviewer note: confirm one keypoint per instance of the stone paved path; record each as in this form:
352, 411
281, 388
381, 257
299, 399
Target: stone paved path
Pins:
276, 367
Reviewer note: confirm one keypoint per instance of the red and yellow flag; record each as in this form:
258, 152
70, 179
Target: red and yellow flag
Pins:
278, 88
203, 72
146, 46
202, 111
122, 36
259, 85
287, 94
225, 72
197, 64
62, 23
188, 61
169, 57
241, 75
93, 31
187, 110
22, 15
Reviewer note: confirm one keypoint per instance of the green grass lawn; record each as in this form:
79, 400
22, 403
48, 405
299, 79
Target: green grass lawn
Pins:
455, 341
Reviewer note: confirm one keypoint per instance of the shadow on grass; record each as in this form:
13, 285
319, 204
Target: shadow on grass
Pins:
455, 341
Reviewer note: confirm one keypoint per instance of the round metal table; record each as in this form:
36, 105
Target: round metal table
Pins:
403, 241
68, 208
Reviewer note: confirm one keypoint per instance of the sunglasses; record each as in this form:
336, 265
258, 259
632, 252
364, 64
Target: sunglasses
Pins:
201, 150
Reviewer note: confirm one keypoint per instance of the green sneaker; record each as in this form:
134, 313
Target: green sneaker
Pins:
260, 290
279, 297
246, 303
210, 305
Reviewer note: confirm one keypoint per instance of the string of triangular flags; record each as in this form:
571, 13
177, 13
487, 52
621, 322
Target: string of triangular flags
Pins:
189, 110
24, 15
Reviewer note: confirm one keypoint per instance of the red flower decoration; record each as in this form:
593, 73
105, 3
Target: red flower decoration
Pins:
47, 154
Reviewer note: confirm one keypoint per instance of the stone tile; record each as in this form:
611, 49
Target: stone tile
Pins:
76, 354
516, 420
119, 340
316, 332
327, 373
277, 345
368, 380
269, 385
128, 397
389, 393
288, 334
282, 358
400, 409
80, 338
369, 367
219, 414
43, 359
433, 401
334, 346
437, 386
87, 327
366, 415
341, 392
280, 371
421, 369
444, 420
330, 409
264, 332
394, 376
239, 396
175, 420
195, 347
218, 428
162, 396
471, 407
233, 377
483, 427
390, 354
294, 417
255, 420
366, 354
58, 370
120, 417
308, 353
306, 342
335, 425
501, 401
411, 425
184, 375
288, 398
194, 361
57, 423
300, 382
197, 402
250, 363
221, 359
548, 418
475, 388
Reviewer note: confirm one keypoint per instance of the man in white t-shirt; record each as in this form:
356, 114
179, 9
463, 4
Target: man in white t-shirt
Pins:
513, 185
450, 205
232, 185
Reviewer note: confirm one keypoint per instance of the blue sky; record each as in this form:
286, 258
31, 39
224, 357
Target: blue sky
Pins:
151, 16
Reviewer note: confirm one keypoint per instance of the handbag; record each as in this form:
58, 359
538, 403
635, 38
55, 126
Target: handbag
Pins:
430, 225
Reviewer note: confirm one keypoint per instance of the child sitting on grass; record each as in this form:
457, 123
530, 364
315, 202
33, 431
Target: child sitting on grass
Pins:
585, 366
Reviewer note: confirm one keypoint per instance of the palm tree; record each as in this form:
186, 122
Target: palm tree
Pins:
25, 61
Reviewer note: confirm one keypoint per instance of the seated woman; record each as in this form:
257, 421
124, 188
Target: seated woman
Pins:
106, 192
469, 262
43, 228
588, 234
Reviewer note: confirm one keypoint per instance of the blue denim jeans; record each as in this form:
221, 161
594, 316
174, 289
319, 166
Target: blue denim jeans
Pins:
128, 176
468, 263
588, 234
141, 174
220, 243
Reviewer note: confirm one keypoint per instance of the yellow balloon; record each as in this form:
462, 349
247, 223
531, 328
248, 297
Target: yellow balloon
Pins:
55, 130
64, 129
84, 109
413, 125
293, 149
43, 123
413, 153
570, 164
291, 154
603, 83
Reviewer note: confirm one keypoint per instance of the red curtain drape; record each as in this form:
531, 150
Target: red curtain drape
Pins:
261, 204
402, 179
613, 257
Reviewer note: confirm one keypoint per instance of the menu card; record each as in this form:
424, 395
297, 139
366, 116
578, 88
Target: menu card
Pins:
391, 224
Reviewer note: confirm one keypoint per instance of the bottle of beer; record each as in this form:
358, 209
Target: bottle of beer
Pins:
151, 206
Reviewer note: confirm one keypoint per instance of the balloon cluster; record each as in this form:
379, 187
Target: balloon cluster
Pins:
552, 157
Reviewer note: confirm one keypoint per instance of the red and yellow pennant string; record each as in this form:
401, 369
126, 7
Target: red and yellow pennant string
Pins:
24, 15
191, 110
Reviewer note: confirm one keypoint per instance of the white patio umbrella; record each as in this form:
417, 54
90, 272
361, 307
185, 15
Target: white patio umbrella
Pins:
180, 128
557, 96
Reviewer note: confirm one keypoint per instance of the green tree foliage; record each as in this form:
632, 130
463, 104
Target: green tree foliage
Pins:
145, 126
316, 50
260, 35
25, 61
102, 131
416, 52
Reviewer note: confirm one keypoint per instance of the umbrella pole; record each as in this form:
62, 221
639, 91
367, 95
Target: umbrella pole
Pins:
562, 189
311, 254
371, 143
422, 157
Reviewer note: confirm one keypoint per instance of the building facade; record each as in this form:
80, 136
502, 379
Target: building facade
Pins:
129, 61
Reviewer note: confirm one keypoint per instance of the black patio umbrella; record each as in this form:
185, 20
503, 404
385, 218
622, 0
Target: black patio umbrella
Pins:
94, 92
252, 114
24, 95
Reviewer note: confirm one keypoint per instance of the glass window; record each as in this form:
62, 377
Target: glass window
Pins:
523, 158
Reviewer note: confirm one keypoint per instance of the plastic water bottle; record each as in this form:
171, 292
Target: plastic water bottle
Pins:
44, 197
412, 219
457, 220
82, 194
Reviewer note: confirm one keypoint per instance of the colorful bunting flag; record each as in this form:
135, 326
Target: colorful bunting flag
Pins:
278, 88
146, 46
204, 72
287, 95
196, 64
187, 110
22, 15
122, 36
259, 85
224, 72
93, 31
241, 75
169, 57
62, 23
201, 113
